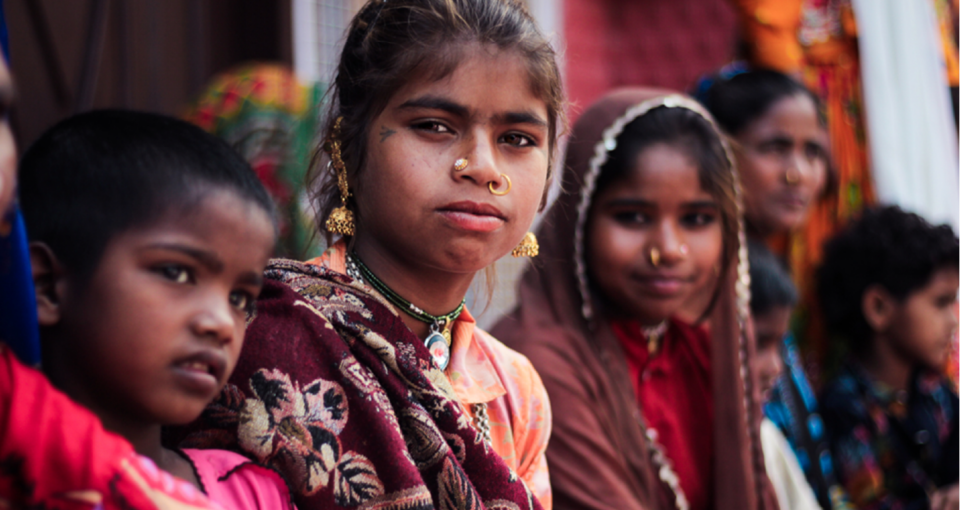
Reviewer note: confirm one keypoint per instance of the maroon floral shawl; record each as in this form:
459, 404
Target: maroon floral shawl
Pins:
337, 394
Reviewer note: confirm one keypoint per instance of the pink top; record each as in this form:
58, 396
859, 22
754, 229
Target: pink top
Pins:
236, 483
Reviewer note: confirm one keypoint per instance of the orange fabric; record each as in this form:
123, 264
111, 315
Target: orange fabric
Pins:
769, 29
946, 19
483, 370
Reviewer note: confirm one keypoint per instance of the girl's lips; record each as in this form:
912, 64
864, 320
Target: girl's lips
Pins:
663, 286
202, 371
793, 201
473, 216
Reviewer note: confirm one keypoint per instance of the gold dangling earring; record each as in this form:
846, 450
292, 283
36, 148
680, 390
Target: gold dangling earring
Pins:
341, 219
528, 247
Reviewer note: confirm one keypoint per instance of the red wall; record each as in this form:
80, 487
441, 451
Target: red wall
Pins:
663, 43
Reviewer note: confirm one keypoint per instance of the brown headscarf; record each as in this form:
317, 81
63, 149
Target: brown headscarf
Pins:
599, 455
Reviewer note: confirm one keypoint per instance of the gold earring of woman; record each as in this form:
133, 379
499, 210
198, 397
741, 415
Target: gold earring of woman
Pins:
341, 219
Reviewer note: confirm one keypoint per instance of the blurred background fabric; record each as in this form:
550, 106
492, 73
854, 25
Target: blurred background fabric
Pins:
270, 117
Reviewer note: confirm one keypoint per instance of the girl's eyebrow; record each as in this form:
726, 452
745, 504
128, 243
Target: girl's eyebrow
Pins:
779, 138
702, 204
431, 102
436, 103
524, 117
204, 257
639, 202
631, 202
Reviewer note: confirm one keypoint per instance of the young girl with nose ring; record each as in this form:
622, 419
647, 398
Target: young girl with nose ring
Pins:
650, 411
365, 381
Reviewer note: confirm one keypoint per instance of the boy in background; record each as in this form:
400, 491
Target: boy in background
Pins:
888, 288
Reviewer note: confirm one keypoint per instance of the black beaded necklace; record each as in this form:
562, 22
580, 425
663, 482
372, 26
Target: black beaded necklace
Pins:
439, 341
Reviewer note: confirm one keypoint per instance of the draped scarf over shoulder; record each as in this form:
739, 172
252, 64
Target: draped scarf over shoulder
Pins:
582, 363
339, 396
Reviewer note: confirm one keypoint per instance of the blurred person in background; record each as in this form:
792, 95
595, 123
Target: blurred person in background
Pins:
649, 408
780, 142
883, 70
772, 298
888, 288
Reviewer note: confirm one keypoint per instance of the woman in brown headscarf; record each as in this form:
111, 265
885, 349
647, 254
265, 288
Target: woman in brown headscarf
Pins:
649, 412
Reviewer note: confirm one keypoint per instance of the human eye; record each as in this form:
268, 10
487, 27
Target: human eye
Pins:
778, 147
946, 300
518, 140
242, 301
176, 273
432, 126
631, 218
814, 151
699, 219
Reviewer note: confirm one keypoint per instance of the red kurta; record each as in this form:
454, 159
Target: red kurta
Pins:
673, 389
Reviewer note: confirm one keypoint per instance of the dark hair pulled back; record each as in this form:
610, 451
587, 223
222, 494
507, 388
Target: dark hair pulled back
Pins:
390, 41
737, 101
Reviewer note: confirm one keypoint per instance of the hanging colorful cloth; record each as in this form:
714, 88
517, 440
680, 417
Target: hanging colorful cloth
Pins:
270, 118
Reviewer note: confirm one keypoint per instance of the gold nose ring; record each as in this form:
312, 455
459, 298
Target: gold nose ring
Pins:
504, 192
792, 176
655, 257
460, 164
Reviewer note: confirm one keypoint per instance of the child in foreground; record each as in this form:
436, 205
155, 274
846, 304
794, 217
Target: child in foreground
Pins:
55, 453
148, 239
772, 298
888, 288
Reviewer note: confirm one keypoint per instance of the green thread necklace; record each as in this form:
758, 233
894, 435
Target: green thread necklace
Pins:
439, 341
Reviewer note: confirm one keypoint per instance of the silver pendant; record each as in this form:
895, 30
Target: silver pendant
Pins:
437, 345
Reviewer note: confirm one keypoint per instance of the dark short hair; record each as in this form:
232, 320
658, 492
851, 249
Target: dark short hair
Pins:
770, 284
98, 174
737, 101
886, 246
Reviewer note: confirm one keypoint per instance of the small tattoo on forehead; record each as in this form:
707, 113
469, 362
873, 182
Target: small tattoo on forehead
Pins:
385, 133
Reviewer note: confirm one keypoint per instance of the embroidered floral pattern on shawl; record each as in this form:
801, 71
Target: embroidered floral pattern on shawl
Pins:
338, 395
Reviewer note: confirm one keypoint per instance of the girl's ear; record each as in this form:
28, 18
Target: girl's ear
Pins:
49, 283
878, 308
